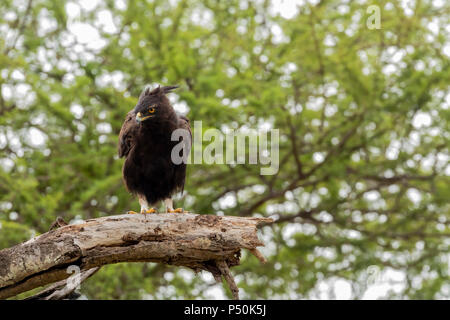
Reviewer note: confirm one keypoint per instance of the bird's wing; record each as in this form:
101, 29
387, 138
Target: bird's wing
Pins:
184, 123
127, 134
180, 171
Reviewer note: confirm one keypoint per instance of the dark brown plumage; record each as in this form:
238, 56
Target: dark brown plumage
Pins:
145, 141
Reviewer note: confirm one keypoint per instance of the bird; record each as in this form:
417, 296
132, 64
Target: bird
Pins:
145, 140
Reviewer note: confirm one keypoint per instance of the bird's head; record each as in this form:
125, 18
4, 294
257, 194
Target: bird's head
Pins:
152, 104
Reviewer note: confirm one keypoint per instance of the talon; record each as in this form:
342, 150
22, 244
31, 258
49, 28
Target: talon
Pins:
151, 210
177, 210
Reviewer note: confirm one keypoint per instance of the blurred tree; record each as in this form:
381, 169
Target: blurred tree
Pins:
362, 113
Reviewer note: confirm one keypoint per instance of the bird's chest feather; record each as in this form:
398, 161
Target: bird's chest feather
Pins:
153, 148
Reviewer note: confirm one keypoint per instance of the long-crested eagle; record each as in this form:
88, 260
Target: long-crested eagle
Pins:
152, 169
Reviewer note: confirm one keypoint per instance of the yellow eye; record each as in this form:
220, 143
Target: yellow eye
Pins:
151, 110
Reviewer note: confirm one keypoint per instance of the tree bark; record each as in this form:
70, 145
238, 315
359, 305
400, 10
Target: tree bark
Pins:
199, 242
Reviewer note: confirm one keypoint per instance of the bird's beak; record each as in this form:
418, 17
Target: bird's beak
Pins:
140, 118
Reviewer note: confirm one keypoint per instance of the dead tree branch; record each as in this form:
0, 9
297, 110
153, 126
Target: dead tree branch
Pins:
199, 242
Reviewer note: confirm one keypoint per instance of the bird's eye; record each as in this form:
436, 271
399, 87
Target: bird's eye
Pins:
151, 110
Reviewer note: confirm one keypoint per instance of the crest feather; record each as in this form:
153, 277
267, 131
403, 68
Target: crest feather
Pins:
144, 93
157, 91
168, 89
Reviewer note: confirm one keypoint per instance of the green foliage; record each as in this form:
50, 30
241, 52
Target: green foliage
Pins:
12, 233
363, 116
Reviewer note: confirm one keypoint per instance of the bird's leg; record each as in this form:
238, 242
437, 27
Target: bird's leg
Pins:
145, 208
169, 206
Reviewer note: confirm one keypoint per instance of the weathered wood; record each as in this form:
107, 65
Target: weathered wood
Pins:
190, 240
64, 288
223, 267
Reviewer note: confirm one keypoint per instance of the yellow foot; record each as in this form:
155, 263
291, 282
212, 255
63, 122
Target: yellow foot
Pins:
177, 210
151, 210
